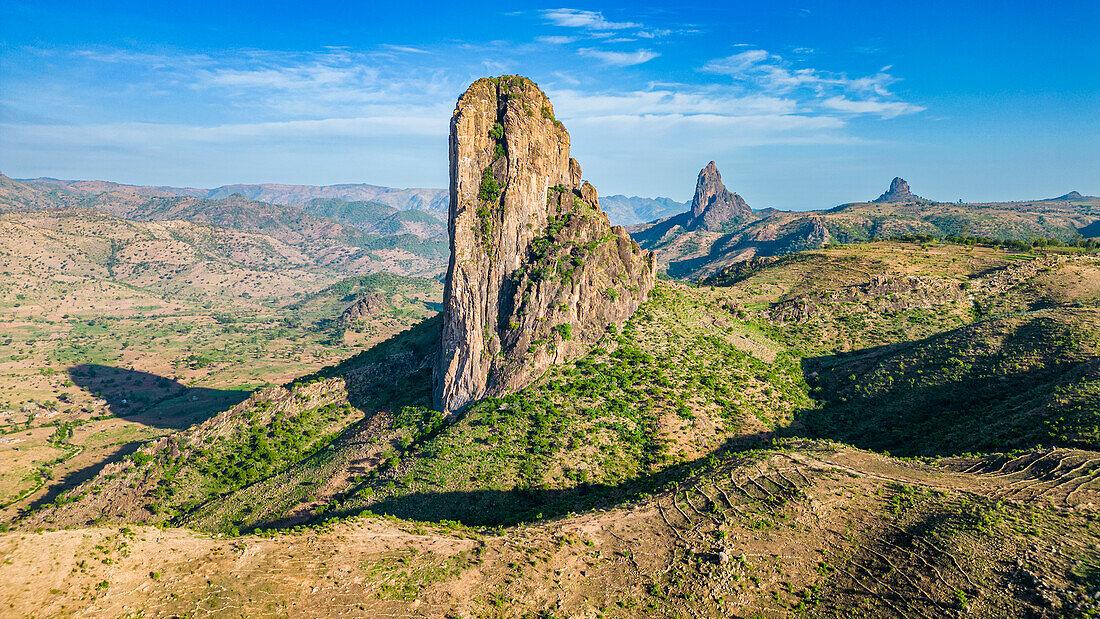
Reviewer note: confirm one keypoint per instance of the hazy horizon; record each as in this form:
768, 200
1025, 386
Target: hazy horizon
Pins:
684, 200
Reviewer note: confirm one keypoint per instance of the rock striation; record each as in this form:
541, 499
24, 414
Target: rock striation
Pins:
899, 192
536, 270
713, 205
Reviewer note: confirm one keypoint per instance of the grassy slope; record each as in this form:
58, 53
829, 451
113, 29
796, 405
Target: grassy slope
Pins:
1007, 383
807, 529
669, 389
697, 370
113, 332
810, 527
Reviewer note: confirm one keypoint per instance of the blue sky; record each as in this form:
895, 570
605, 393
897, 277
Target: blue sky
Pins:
802, 104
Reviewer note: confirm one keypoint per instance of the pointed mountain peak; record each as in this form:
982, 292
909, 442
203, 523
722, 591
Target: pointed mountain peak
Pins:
713, 204
899, 192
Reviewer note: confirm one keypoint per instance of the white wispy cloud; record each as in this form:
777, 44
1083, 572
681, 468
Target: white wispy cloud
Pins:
130, 134
654, 33
885, 109
767, 72
556, 40
736, 64
380, 114
770, 71
619, 59
331, 83
565, 77
404, 48
580, 104
589, 20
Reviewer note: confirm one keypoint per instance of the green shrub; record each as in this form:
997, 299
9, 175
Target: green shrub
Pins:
490, 189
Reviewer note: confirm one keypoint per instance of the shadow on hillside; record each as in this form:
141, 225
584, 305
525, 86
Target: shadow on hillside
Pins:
393, 373
150, 399
682, 268
80, 476
954, 393
490, 508
799, 236
655, 233
1091, 231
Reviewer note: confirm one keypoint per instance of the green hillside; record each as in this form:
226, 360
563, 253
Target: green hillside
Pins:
830, 344
717, 452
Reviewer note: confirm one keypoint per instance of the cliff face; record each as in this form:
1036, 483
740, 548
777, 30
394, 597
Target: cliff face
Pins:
714, 205
536, 270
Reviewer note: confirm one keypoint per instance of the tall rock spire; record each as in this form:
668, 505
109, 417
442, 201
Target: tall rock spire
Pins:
714, 205
536, 270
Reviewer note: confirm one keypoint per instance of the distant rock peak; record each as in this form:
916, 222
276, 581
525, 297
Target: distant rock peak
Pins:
713, 205
899, 192
537, 272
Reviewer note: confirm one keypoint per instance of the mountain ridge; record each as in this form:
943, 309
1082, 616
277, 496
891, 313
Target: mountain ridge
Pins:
427, 199
695, 252
408, 242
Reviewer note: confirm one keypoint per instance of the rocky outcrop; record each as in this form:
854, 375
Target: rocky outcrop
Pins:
536, 270
714, 206
899, 192
880, 294
365, 308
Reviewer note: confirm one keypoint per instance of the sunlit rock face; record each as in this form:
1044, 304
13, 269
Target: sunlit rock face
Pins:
713, 205
536, 271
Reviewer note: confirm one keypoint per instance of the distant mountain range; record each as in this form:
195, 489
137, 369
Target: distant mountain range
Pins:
626, 211
719, 229
621, 210
433, 200
356, 237
692, 239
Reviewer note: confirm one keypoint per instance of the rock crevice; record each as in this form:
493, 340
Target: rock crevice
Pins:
536, 271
